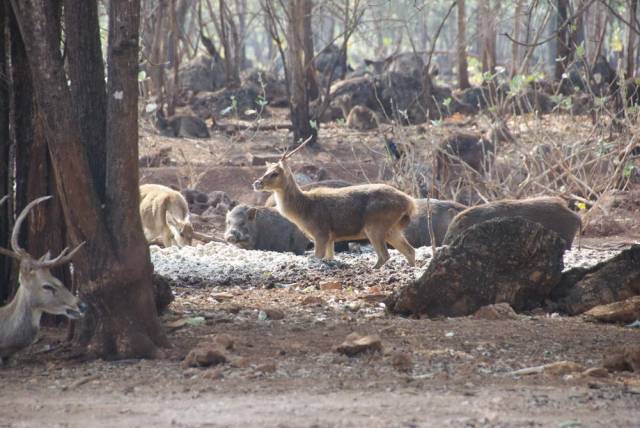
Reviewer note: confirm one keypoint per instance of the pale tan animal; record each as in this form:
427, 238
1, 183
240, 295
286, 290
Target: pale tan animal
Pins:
39, 291
374, 211
165, 215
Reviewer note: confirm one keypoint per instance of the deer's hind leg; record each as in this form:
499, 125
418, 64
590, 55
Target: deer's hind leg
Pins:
396, 238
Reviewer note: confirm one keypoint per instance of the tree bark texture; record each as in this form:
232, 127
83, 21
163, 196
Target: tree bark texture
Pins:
86, 73
461, 45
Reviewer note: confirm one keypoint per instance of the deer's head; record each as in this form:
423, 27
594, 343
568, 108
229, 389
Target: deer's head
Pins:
43, 290
274, 178
278, 174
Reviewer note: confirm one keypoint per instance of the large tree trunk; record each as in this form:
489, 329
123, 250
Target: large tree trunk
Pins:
299, 96
45, 229
631, 40
113, 268
461, 47
5, 172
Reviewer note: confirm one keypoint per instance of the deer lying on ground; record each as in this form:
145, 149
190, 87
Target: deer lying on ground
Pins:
39, 291
377, 212
165, 215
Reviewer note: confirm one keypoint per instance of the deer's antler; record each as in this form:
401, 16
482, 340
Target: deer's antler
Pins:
288, 154
64, 257
15, 246
20, 253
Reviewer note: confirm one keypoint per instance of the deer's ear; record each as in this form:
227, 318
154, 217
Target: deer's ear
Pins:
46, 257
251, 214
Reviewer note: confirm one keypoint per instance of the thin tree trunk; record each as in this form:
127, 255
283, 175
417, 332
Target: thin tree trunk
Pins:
565, 49
631, 40
230, 67
157, 58
241, 8
461, 47
488, 29
515, 47
299, 96
113, 268
312, 84
6, 286
174, 60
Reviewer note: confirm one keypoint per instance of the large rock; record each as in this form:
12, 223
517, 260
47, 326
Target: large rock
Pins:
610, 281
509, 260
626, 311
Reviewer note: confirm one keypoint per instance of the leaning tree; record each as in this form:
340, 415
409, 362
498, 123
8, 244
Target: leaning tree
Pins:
92, 138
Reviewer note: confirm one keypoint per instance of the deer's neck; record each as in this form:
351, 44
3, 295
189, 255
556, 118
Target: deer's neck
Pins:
291, 200
19, 323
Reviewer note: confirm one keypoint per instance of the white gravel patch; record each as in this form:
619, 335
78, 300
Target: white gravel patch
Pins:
220, 264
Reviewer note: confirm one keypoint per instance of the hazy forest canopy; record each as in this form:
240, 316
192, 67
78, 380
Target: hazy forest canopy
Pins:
319, 213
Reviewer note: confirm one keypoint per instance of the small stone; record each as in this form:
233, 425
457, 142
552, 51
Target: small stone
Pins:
222, 296
224, 341
204, 355
596, 372
354, 306
625, 311
269, 367
402, 361
499, 311
312, 300
330, 285
355, 344
213, 374
274, 314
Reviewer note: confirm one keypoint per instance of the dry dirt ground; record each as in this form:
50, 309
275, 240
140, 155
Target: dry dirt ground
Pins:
283, 370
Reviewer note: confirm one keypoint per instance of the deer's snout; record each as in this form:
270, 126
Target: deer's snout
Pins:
258, 185
83, 307
78, 312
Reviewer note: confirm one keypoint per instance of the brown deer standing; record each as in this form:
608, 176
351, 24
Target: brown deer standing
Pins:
377, 212
39, 291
